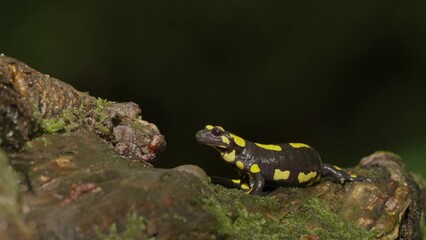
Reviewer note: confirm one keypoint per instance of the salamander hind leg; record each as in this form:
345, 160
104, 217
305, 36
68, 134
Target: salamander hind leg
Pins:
258, 185
328, 170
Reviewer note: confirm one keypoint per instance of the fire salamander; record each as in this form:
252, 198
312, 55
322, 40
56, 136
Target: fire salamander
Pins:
287, 164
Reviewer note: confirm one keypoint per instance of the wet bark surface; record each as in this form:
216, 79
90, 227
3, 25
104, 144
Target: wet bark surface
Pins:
80, 170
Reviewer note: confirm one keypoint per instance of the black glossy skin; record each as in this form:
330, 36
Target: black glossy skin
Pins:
295, 160
257, 165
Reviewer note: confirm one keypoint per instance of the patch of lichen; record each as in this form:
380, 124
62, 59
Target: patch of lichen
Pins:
242, 216
135, 228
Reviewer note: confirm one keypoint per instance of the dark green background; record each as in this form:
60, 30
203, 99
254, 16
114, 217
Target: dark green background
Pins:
345, 77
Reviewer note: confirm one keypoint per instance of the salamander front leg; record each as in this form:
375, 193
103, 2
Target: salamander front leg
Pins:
328, 170
258, 185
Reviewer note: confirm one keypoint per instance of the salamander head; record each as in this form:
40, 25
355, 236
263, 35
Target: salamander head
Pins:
219, 138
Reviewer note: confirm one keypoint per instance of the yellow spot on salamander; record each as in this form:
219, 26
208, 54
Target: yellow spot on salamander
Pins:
245, 186
281, 175
210, 127
229, 157
354, 175
269, 146
225, 140
236, 181
298, 145
336, 167
302, 177
254, 168
318, 178
238, 140
240, 165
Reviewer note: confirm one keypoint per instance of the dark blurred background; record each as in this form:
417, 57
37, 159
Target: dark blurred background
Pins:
345, 77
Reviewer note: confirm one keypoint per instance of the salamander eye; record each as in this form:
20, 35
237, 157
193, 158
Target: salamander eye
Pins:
217, 131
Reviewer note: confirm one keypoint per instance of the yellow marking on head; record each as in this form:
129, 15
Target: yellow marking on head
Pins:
281, 175
302, 177
225, 140
238, 140
210, 127
354, 175
240, 165
254, 168
269, 146
229, 157
245, 186
298, 145
336, 167
236, 181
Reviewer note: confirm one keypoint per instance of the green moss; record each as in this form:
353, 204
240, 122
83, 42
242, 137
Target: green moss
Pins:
224, 225
52, 125
100, 105
241, 216
317, 219
102, 128
135, 228
65, 122
69, 119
